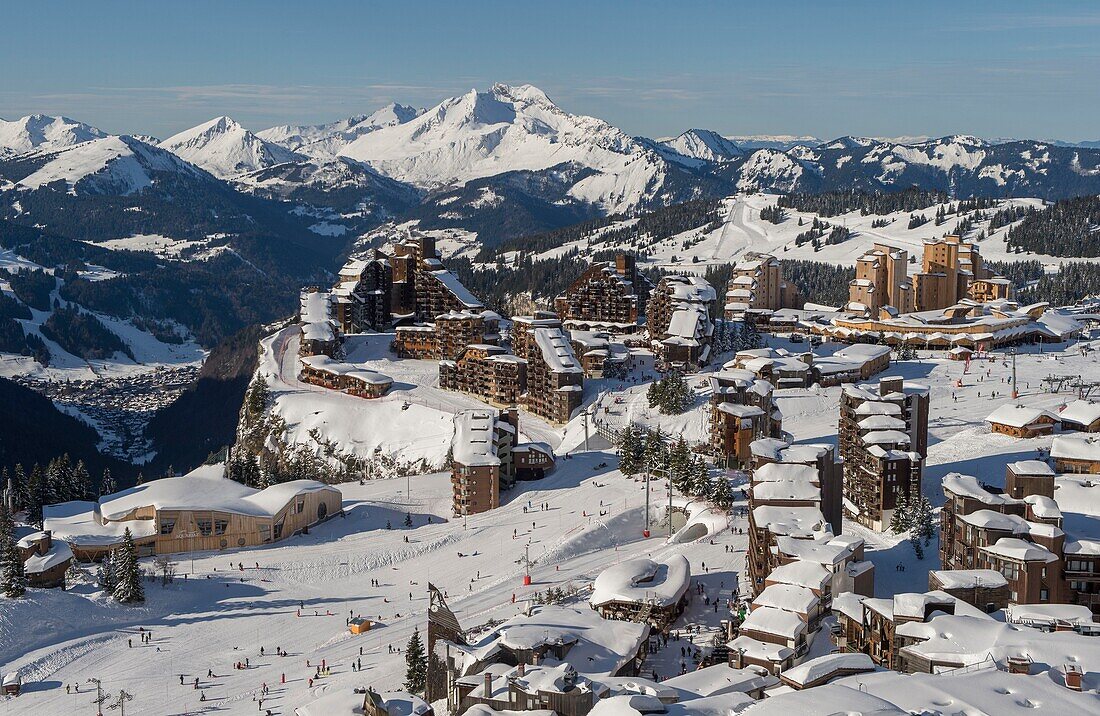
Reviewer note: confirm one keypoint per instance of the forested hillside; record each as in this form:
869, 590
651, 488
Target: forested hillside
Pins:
1070, 227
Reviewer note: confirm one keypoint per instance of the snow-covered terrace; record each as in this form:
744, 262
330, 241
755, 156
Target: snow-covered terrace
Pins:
662, 584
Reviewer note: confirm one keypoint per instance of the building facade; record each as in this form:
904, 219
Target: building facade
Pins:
608, 295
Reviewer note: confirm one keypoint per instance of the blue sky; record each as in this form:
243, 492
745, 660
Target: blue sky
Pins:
822, 68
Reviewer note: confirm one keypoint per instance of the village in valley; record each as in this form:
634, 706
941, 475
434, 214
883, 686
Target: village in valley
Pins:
654, 496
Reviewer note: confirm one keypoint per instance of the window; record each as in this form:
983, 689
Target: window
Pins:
166, 526
220, 526
279, 530
1044, 595
301, 507
205, 527
322, 511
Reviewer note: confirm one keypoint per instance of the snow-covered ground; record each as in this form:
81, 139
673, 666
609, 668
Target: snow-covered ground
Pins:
221, 614
743, 231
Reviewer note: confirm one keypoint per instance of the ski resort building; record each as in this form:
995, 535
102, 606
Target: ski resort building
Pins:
489, 372
883, 438
345, 377
1076, 454
422, 287
555, 379
784, 369
985, 589
741, 411
1023, 539
607, 296
524, 326
1021, 422
679, 319
644, 591
319, 333
881, 281
45, 559
1082, 415
816, 464
199, 511
487, 458
757, 286
600, 355
447, 336
363, 293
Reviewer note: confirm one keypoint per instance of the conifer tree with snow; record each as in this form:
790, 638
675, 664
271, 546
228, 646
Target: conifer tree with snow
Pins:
700, 478
901, 520
13, 578
105, 577
630, 449
416, 665
128, 589
655, 453
923, 519
80, 482
721, 494
107, 485
679, 466
37, 495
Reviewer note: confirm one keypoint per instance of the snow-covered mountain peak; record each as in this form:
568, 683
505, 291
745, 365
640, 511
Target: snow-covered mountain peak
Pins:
43, 132
705, 145
326, 140
108, 165
225, 148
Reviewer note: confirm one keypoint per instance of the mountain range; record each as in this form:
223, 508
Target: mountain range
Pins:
501, 162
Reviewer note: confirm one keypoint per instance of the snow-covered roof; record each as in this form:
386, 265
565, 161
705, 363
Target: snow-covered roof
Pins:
643, 580
740, 411
801, 573
785, 490
791, 521
75, 522
349, 701
1018, 416
205, 488
788, 597
350, 370
1018, 549
556, 351
968, 486
722, 679
969, 578
1075, 447
1031, 467
760, 650
769, 620
785, 472
451, 282
690, 288
885, 437
314, 306
829, 666
474, 442
828, 552
1032, 614
831, 700
966, 640
1081, 412
58, 553
600, 647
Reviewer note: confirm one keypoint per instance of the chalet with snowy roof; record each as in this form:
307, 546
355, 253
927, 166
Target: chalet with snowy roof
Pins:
319, 332
883, 437
741, 412
555, 379
1027, 478
1079, 454
608, 296
359, 700
643, 590
349, 378
679, 321
45, 559
490, 372
550, 657
199, 511
1083, 415
362, 296
823, 669
487, 457
1021, 421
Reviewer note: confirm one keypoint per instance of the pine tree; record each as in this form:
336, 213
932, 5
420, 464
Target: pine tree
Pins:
629, 451
721, 493
107, 486
21, 487
105, 574
81, 482
416, 665
679, 465
700, 478
13, 579
37, 492
901, 520
655, 452
129, 589
408, 520
923, 520
140, 479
